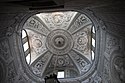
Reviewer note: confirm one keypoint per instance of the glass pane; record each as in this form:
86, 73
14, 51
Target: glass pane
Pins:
23, 34
60, 74
93, 29
93, 55
93, 42
25, 46
28, 58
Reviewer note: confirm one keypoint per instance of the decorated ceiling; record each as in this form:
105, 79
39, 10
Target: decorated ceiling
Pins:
59, 42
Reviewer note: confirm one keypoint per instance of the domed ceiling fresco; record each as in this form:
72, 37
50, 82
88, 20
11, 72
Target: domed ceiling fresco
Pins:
59, 42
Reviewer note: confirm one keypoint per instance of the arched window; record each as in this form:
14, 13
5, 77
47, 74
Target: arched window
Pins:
26, 46
93, 43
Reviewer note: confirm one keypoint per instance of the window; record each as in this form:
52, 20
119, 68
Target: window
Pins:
60, 74
26, 46
93, 43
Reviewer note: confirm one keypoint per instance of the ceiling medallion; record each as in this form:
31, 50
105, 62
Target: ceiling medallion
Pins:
57, 18
37, 43
82, 40
59, 42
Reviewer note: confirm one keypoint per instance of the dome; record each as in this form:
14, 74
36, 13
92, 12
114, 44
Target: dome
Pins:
59, 42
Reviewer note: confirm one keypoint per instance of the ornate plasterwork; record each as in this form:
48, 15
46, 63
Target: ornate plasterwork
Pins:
62, 61
59, 42
36, 24
118, 64
81, 22
112, 42
97, 79
11, 73
106, 71
83, 63
57, 20
37, 44
82, 41
37, 66
68, 46
4, 49
117, 67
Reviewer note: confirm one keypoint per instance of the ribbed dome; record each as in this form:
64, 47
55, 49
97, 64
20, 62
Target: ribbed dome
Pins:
59, 42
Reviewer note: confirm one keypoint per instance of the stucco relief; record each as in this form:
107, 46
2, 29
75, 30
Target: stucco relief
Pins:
79, 23
83, 63
106, 71
82, 40
59, 42
36, 24
95, 78
112, 42
62, 61
6, 56
37, 42
57, 20
98, 79
38, 65
21, 79
12, 23
4, 49
118, 68
11, 73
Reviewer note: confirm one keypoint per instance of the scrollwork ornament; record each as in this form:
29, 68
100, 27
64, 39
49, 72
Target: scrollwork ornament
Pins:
111, 43
15, 21
97, 79
118, 68
11, 73
106, 71
10, 31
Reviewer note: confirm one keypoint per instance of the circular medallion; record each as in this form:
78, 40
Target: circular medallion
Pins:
57, 18
37, 43
59, 42
60, 61
82, 40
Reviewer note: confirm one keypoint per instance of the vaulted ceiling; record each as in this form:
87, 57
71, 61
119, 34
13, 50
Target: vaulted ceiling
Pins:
60, 41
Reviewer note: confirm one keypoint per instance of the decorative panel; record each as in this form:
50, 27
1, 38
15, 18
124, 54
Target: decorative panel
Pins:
106, 72
37, 44
37, 66
62, 61
80, 22
57, 20
4, 49
112, 42
11, 73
